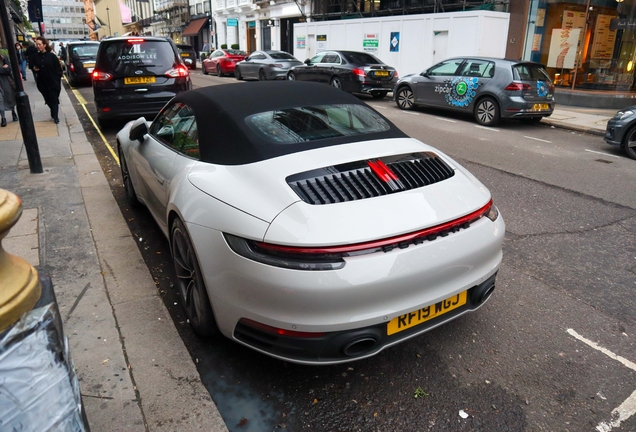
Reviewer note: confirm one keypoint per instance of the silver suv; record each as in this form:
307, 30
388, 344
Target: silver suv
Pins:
489, 88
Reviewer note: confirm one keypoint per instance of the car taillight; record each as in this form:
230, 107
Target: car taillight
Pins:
278, 65
101, 76
332, 257
359, 72
179, 71
135, 41
395, 74
72, 67
517, 86
279, 331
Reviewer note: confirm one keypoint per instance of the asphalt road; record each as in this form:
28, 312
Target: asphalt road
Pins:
553, 349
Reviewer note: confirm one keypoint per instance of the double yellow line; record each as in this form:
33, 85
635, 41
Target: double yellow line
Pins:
82, 102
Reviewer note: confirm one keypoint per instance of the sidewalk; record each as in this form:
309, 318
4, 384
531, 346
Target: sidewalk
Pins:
134, 371
589, 120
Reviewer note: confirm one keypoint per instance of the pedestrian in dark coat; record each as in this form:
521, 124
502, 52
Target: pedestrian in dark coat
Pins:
30, 52
49, 76
22, 60
7, 91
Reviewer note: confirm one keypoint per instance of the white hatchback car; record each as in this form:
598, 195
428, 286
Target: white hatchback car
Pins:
307, 226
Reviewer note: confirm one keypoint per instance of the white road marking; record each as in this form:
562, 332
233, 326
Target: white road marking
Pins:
604, 154
446, 120
628, 407
487, 128
538, 139
411, 113
379, 106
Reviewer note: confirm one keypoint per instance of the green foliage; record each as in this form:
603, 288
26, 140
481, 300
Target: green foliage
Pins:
235, 46
420, 393
204, 56
223, 46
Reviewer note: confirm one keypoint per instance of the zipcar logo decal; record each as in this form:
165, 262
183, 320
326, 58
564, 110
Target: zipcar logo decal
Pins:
385, 174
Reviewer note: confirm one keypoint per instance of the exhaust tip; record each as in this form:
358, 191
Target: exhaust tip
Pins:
359, 346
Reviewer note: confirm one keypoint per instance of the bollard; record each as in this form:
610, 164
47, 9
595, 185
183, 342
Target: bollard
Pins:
19, 283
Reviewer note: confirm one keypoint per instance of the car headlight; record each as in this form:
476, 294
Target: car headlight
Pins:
623, 114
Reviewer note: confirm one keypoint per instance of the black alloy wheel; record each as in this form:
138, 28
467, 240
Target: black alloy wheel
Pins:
291, 76
190, 284
219, 72
129, 189
379, 94
335, 82
629, 143
487, 112
404, 98
261, 75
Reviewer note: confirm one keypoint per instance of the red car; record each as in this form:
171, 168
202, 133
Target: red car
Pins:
223, 61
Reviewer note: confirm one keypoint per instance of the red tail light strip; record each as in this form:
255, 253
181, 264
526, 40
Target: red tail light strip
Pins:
279, 331
376, 244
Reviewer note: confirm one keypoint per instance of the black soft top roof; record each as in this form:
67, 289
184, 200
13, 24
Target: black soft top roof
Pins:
226, 139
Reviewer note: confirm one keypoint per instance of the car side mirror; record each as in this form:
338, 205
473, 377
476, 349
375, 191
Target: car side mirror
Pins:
138, 129
424, 74
307, 62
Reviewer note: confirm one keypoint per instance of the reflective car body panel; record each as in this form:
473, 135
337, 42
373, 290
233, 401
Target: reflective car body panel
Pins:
521, 89
353, 72
621, 130
222, 192
266, 65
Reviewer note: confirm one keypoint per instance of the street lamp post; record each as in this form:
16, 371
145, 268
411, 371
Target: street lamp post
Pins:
110, 32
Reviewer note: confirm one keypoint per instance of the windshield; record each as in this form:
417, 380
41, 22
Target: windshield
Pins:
88, 50
124, 57
295, 125
282, 56
530, 72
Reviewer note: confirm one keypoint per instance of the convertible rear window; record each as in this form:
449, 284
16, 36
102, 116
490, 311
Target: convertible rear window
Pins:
311, 123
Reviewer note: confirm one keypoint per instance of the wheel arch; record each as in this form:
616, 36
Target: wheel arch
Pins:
489, 95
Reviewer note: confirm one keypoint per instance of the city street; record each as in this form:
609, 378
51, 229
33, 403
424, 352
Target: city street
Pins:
553, 349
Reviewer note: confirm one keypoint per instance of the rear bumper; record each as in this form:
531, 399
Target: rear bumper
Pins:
517, 107
132, 108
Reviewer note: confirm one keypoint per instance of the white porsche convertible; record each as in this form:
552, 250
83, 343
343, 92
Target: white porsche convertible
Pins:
305, 225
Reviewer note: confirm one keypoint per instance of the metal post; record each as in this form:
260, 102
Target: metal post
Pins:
578, 56
22, 100
110, 32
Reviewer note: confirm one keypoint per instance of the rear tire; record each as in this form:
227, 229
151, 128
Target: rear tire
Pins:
291, 76
129, 189
190, 284
629, 143
205, 70
261, 75
219, 72
237, 74
404, 98
335, 82
379, 95
487, 112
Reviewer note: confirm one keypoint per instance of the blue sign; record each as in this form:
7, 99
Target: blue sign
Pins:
395, 42
232, 22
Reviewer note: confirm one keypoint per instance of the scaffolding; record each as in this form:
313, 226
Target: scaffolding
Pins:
348, 9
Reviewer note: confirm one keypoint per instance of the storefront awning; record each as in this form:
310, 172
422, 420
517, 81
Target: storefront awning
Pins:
194, 27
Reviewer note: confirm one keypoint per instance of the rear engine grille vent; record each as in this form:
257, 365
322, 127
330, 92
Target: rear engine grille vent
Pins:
367, 179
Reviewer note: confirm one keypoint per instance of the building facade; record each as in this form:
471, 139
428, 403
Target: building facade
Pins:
64, 20
586, 45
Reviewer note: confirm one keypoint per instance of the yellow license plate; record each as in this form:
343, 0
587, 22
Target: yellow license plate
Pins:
381, 73
419, 316
185, 55
139, 80
540, 107
87, 65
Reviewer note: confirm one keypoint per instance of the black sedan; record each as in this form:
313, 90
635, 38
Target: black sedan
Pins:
266, 65
621, 130
351, 71
80, 61
188, 55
